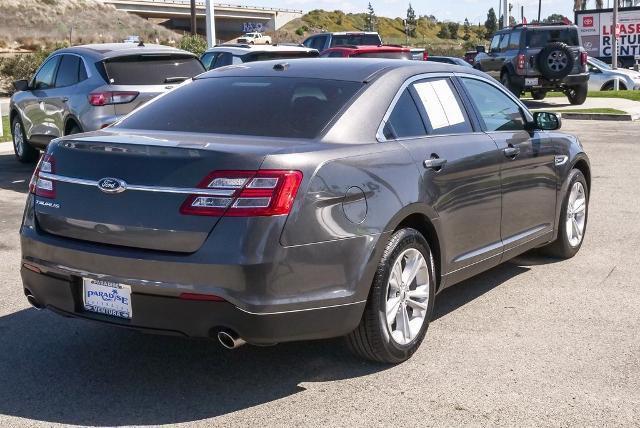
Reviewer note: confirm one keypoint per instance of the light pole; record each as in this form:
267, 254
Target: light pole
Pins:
211, 23
194, 29
614, 43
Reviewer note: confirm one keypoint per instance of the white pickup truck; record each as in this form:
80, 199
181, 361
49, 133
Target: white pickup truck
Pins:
255, 39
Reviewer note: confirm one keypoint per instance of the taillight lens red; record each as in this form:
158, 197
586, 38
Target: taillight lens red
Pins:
425, 55
43, 186
111, 97
583, 58
521, 61
245, 194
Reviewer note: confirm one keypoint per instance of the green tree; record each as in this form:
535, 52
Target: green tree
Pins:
556, 17
194, 44
370, 20
411, 21
491, 24
444, 31
466, 27
453, 29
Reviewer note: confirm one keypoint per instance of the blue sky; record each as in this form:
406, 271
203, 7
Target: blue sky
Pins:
475, 10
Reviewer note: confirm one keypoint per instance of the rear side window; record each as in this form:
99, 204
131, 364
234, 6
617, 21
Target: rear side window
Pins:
514, 40
444, 110
259, 106
316, 42
388, 55
504, 42
208, 59
68, 71
497, 111
356, 39
540, 38
151, 69
405, 120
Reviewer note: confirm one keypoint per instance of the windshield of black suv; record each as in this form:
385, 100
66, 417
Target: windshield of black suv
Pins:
539, 38
258, 106
356, 39
151, 69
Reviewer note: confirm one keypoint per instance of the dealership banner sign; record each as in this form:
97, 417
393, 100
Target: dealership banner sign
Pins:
597, 32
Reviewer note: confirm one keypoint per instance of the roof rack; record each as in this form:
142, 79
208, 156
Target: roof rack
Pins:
541, 24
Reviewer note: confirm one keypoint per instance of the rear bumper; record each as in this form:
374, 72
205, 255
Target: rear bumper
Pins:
571, 80
198, 319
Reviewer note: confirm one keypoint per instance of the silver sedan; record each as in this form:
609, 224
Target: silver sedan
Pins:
602, 76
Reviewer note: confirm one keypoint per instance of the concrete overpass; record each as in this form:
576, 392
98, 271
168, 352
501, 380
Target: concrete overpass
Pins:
230, 20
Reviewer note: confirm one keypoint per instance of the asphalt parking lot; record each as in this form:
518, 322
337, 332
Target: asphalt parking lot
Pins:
531, 342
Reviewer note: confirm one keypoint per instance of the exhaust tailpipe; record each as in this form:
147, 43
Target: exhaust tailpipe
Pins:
34, 302
230, 339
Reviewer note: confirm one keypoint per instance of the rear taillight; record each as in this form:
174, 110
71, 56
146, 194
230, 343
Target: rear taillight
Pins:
521, 61
245, 193
583, 58
111, 97
425, 55
42, 186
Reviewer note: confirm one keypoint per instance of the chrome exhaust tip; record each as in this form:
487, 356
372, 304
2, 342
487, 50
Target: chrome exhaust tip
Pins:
34, 302
230, 339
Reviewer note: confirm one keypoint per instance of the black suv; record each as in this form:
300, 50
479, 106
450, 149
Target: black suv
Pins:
538, 58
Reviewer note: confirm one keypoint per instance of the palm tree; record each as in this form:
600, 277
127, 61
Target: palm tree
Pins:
577, 4
599, 4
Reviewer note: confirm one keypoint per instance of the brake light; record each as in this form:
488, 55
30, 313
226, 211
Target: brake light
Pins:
111, 97
521, 61
40, 186
201, 297
245, 194
425, 55
583, 58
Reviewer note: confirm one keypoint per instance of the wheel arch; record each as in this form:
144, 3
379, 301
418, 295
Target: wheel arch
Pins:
12, 115
582, 165
611, 83
70, 121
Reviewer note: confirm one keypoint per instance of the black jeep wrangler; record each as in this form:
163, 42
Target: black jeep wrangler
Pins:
538, 58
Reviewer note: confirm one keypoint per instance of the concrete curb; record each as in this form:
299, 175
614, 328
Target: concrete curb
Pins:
600, 116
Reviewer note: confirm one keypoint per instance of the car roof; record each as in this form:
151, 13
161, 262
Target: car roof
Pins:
343, 33
243, 49
355, 70
101, 51
370, 48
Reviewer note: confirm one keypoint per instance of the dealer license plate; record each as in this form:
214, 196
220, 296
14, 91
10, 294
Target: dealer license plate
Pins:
531, 81
104, 297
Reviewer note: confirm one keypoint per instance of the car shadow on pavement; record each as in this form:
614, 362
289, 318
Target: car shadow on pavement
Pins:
61, 370
14, 175
532, 104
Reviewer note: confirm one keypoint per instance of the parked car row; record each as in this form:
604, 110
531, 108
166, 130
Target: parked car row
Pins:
295, 200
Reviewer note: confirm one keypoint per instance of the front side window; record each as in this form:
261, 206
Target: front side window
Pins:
497, 111
256, 106
208, 59
442, 107
504, 42
44, 77
68, 71
514, 40
495, 42
405, 120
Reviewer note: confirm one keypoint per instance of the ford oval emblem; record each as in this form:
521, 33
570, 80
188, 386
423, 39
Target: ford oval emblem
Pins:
112, 185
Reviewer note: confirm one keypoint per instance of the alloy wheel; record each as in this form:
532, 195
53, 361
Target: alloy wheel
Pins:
557, 61
407, 296
18, 139
576, 214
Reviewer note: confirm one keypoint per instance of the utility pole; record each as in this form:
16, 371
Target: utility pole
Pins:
614, 44
211, 23
539, 9
194, 28
499, 12
505, 11
522, 14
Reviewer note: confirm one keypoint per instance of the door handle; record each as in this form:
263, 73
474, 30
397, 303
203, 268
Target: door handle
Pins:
434, 163
65, 99
511, 151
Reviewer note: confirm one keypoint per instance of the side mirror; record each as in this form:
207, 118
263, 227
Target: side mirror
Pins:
21, 85
547, 121
480, 49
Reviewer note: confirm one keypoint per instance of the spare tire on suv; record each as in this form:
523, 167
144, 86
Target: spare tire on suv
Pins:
555, 61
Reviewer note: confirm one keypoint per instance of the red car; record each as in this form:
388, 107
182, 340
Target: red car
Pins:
382, 51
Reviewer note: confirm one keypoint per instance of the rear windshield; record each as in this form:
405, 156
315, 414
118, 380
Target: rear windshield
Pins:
259, 106
356, 39
389, 55
151, 69
265, 56
540, 38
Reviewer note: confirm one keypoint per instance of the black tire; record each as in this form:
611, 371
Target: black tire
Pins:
73, 129
555, 61
508, 83
538, 95
24, 151
577, 95
372, 339
609, 86
562, 247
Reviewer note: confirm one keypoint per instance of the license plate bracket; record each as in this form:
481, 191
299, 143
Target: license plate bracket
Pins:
107, 298
531, 81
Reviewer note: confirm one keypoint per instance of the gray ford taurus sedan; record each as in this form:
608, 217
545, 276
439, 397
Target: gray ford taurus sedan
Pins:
276, 201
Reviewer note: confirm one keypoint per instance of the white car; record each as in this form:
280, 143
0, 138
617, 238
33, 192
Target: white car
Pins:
234, 54
255, 39
602, 76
